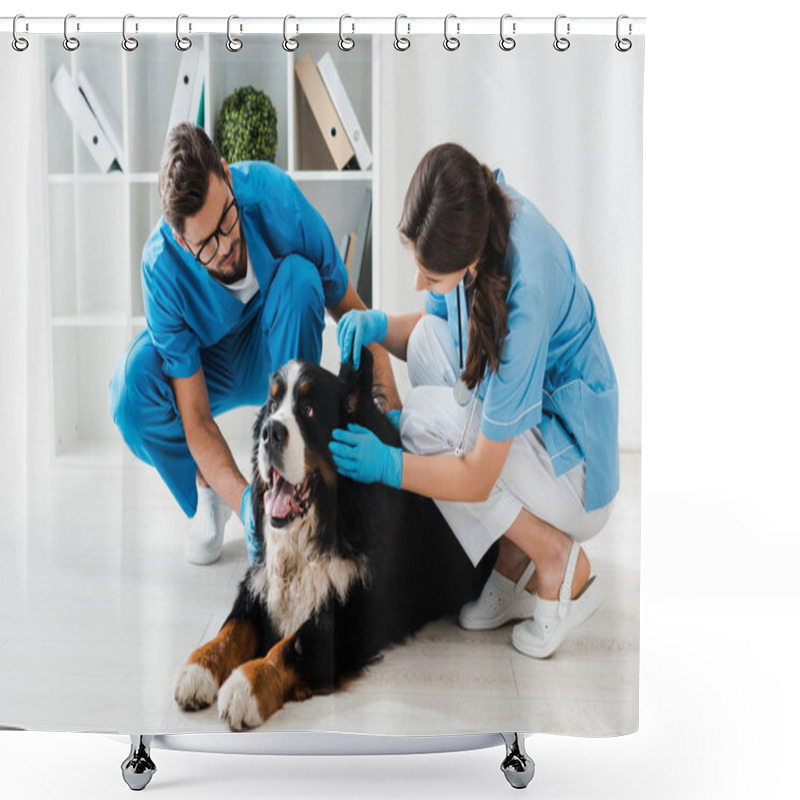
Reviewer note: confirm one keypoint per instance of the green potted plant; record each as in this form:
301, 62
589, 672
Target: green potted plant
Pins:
247, 126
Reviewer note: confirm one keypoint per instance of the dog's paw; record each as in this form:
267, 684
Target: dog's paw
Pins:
237, 703
195, 687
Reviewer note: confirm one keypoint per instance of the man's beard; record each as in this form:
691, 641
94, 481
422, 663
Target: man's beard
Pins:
240, 269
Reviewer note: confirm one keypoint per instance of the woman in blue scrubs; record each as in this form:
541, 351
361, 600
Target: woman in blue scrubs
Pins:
511, 424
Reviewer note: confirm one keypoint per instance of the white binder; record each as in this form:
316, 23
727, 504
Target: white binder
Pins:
188, 95
341, 101
90, 96
86, 123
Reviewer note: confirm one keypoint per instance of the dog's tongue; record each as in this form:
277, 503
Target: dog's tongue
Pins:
281, 496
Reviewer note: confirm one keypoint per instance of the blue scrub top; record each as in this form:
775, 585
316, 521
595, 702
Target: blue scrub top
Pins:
187, 309
555, 371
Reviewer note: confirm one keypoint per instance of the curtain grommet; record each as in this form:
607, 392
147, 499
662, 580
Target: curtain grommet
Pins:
507, 43
183, 43
290, 44
401, 43
129, 44
451, 43
561, 43
346, 43
71, 43
233, 44
19, 43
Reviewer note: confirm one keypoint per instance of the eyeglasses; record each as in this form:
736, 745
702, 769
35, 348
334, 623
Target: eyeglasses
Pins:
209, 248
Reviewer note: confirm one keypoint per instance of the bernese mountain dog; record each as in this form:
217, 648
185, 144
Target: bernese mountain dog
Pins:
348, 569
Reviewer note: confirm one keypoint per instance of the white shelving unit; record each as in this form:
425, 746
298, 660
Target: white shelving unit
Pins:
99, 222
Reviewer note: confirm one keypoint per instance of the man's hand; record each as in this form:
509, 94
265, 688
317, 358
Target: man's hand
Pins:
254, 554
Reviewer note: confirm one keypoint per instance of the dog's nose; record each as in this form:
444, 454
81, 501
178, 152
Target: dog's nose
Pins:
275, 432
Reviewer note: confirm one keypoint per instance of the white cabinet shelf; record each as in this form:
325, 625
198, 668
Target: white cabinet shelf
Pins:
98, 222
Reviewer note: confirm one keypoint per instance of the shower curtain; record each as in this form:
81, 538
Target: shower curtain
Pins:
100, 606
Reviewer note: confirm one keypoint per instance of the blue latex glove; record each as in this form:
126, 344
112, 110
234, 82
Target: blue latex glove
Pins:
394, 417
359, 454
357, 329
246, 513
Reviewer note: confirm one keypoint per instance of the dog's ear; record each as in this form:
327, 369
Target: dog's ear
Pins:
355, 386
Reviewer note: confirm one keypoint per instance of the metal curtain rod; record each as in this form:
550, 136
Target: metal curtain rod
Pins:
462, 26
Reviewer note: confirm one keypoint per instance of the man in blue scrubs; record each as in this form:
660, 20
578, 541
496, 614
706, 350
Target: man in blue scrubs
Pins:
236, 277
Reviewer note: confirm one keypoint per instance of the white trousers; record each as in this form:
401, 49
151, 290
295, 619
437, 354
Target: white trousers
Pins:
433, 422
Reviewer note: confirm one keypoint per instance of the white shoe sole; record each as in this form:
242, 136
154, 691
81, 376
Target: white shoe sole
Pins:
520, 608
580, 609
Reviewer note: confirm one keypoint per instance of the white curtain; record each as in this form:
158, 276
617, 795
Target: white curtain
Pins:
23, 354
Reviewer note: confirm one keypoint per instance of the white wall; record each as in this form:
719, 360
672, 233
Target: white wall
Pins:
565, 129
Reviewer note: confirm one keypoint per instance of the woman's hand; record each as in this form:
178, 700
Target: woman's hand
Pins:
360, 455
357, 329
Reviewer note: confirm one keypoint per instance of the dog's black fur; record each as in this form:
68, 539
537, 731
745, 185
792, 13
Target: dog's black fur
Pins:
416, 571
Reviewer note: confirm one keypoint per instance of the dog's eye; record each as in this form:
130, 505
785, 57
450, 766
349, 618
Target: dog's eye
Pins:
306, 410
271, 405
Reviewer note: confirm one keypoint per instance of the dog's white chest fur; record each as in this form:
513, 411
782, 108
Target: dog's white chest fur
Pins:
296, 580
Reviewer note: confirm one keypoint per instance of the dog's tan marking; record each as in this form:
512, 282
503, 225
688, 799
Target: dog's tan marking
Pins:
303, 388
233, 645
315, 461
272, 681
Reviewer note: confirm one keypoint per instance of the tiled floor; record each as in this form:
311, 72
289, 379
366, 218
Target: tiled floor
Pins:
99, 609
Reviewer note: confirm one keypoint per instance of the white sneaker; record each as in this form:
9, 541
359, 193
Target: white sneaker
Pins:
500, 601
207, 527
552, 620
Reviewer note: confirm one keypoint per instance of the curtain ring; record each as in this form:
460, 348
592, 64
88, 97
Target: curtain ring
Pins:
507, 42
233, 44
70, 42
345, 42
128, 42
289, 44
561, 43
183, 43
451, 43
401, 43
623, 45
18, 42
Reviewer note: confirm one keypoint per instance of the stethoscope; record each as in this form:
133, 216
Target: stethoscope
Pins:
462, 394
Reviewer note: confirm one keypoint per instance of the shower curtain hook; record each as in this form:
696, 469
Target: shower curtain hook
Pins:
70, 42
183, 43
128, 42
451, 43
18, 42
233, 44
289, 44
401, 43
623, 45
561, 43
507, 42
345, 42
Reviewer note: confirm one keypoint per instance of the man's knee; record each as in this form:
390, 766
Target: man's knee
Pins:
137, 385
296, 286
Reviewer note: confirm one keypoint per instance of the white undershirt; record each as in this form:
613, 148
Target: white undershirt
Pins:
244, 289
